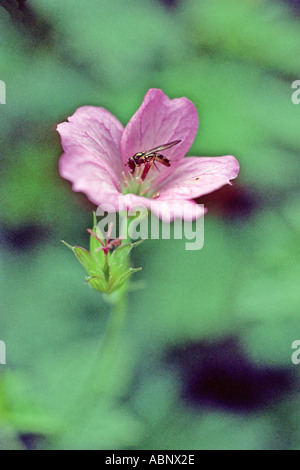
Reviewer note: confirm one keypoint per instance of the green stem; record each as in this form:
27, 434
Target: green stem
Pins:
98, 385
106, 358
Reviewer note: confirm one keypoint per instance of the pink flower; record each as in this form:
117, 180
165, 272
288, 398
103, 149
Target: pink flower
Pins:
97, 149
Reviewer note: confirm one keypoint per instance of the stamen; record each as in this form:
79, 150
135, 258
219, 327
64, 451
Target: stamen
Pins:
145, 191
138, 172
155, 196
139, 180
125, 181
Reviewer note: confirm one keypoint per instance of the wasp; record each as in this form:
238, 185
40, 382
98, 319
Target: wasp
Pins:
151, 156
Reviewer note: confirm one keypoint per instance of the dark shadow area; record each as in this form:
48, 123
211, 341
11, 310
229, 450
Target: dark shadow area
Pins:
170, 3
232, 202
294, 4
219, 374
27, 21
24, 238
31, 441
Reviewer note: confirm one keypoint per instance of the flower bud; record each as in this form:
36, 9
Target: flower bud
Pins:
107, 262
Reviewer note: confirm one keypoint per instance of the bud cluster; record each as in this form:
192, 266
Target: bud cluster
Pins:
107, 261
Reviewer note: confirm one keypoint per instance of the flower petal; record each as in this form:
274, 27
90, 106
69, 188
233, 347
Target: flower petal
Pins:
159, 121
98, 132
165, 210
88, 175
196, 176
168, 211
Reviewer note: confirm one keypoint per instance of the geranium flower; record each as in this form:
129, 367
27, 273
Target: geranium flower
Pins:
97, 152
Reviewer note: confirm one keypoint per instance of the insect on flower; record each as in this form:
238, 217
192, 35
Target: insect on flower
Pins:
111, 164
151, 157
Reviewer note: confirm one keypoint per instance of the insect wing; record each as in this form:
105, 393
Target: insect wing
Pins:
164, 147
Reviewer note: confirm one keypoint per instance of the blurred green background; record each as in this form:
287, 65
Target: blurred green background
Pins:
206, 351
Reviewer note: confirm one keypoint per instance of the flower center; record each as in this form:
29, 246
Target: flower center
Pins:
143, 171
141, 182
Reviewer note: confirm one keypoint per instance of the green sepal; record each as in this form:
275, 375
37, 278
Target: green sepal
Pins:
88, 261
67, 245
120, 254
106, 272
97, 283
85, 258
122, 279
